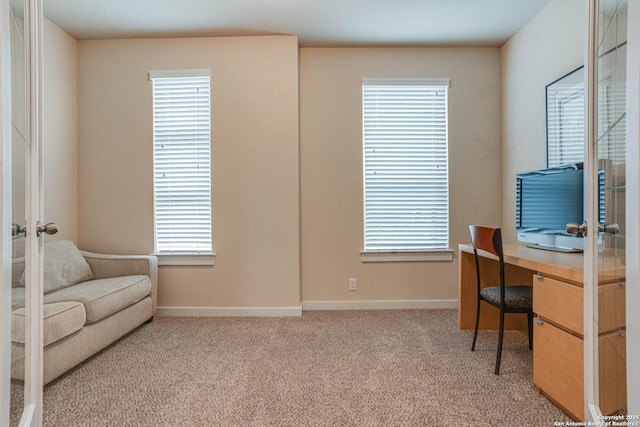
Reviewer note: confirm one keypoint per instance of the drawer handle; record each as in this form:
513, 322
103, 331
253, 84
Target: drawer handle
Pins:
539, 276
539, 321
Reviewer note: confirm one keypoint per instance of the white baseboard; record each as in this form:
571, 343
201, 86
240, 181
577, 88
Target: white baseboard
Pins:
229, 311
379, 305
307, 305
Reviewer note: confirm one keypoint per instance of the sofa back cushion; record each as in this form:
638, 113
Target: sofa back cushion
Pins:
64, 266
17, 272
17, 263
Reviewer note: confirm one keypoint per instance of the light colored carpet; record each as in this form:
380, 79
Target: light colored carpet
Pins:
338, 368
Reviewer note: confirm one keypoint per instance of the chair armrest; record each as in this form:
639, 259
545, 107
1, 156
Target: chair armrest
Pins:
104, 266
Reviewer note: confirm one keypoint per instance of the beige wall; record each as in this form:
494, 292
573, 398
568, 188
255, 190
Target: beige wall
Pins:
254, 163
546, 48
267, 232
59, 130
331, 166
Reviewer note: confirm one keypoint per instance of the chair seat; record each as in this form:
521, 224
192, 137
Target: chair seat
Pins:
514, 296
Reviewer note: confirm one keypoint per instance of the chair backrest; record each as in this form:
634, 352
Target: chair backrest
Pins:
487, 239
490, 240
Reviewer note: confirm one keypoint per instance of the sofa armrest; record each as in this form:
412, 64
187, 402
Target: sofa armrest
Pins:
104, 266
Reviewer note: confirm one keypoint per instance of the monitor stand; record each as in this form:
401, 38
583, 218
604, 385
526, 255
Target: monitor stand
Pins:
555, 248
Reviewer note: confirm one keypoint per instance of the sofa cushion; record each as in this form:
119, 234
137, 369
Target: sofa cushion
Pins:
17, 272
103, 297
59, 320
17, 298
64, 266
17, 262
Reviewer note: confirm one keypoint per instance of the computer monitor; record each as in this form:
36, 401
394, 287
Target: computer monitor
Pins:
546, 200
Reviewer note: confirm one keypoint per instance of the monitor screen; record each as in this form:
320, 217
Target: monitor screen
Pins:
546, 200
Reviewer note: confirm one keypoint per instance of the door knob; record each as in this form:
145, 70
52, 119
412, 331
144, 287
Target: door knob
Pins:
612, 228
575, 228
49, 228
17, 230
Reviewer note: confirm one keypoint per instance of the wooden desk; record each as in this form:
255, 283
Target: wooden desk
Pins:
558, 348
522, 263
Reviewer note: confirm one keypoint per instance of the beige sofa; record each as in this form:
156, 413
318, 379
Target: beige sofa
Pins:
90, 301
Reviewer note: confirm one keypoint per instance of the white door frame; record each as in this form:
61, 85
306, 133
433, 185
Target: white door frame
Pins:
632, 215
5, 221
633, 209
32, 415
591, 396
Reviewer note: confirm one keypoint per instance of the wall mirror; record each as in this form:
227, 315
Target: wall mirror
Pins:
565, 119
565, 111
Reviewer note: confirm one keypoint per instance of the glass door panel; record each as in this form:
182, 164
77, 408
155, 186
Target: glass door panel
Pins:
19, 147
25, 26
609, 153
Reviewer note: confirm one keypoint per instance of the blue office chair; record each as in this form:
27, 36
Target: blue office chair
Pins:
507, 299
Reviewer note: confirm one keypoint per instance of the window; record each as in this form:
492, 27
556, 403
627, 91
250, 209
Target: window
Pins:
406, 196
182, 162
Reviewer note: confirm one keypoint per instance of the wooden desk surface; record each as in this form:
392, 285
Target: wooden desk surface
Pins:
566, 266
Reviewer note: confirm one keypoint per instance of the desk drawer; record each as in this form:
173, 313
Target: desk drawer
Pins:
611, 307
558, 366
559, 302
562, 303
613, 372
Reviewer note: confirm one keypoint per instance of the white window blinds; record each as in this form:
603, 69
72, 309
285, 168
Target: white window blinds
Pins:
565, 120
182, 161
406, 194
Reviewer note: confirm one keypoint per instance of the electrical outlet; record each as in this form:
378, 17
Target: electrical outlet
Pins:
353, 284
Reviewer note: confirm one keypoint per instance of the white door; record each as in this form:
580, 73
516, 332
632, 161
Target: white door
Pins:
21, 189
608, 184
633, 208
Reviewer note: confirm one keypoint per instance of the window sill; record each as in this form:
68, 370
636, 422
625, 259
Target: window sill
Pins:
186, 259
420, 256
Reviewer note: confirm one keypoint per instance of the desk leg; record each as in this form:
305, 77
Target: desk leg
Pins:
467, 299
